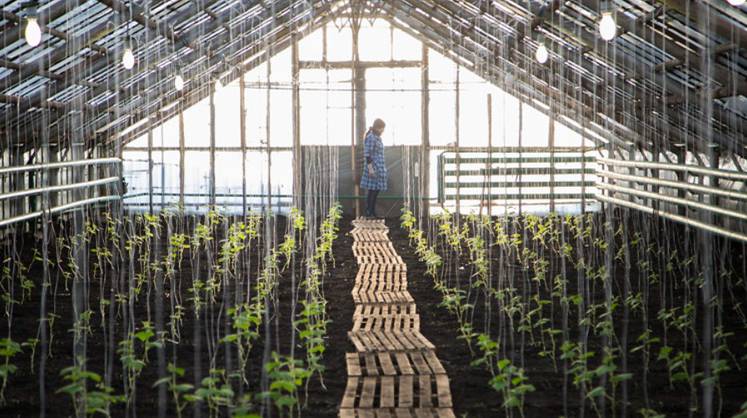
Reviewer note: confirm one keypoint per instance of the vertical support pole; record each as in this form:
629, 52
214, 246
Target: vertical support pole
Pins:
79, 249
681, 154
425, 142
242, 136
359, 100
268, 121
489, 162
17, 181
551, 145
182, 160
53, 175
212, 147
457, 110
521, 128
150, 166
295, 111
707, 289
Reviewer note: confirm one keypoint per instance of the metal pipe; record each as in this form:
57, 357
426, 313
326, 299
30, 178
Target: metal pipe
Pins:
726, 174
672, 199
61, 164
674, 184
677, 218
30, 192
57, 209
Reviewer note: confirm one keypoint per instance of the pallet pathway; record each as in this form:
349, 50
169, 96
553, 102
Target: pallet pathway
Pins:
394, 372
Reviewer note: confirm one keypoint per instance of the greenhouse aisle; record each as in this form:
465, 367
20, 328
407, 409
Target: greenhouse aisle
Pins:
395, 371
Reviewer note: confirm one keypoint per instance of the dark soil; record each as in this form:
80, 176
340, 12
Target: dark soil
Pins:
471, 393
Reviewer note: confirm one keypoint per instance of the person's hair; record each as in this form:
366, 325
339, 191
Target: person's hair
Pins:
378, 125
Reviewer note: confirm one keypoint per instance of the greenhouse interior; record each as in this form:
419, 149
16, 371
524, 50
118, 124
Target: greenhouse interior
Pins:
373, 208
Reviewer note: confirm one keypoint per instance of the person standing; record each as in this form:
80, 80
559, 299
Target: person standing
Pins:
374, 178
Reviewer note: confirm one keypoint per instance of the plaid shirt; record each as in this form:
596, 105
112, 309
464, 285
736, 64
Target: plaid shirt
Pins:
373, 151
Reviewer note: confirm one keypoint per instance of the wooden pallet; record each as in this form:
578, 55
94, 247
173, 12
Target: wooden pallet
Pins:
368, 341
401, 323
389, 273
405, 391
395, 372
384, 248
369, 286
388, 283
380, 259
393, 364
381, 309
370, 297
398, 413
371, 224
370, 235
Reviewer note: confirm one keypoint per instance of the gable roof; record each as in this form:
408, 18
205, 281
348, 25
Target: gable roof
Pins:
647, 86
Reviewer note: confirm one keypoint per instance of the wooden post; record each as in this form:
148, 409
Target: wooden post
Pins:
425, 142
359, 105
150, 166
489, 162
521, 127
268, 102
295, 112
457, 109
211, 186
551, 144
242, 136
182, 169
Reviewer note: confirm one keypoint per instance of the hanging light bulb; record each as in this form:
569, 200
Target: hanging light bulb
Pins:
178, 82
128, 58
32, 33
541, 53
218, 84
607, 26
736, 3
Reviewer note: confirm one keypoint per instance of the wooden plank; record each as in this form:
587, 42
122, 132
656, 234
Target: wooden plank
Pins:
371, 369
434, 362
348, 399
386, 364
443, 391
425, 391
353, 362
383, 413
366, 413
405, 391
403, 362
368, 392
423, 413
445, 413
420, 363
347, 413
387, 392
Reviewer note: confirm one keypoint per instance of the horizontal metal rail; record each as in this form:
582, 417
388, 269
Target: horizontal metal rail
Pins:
57, 165
57, 209
673, 199
674, 217
523, 196
520, 160
517, 183
58, 188
673, 184
691, 169
523, 171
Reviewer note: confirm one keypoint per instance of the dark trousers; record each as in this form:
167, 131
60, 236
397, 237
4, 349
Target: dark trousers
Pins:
371, 203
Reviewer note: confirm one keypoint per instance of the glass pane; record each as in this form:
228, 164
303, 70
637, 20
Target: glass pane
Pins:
227, 114
375, 41
406, 47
